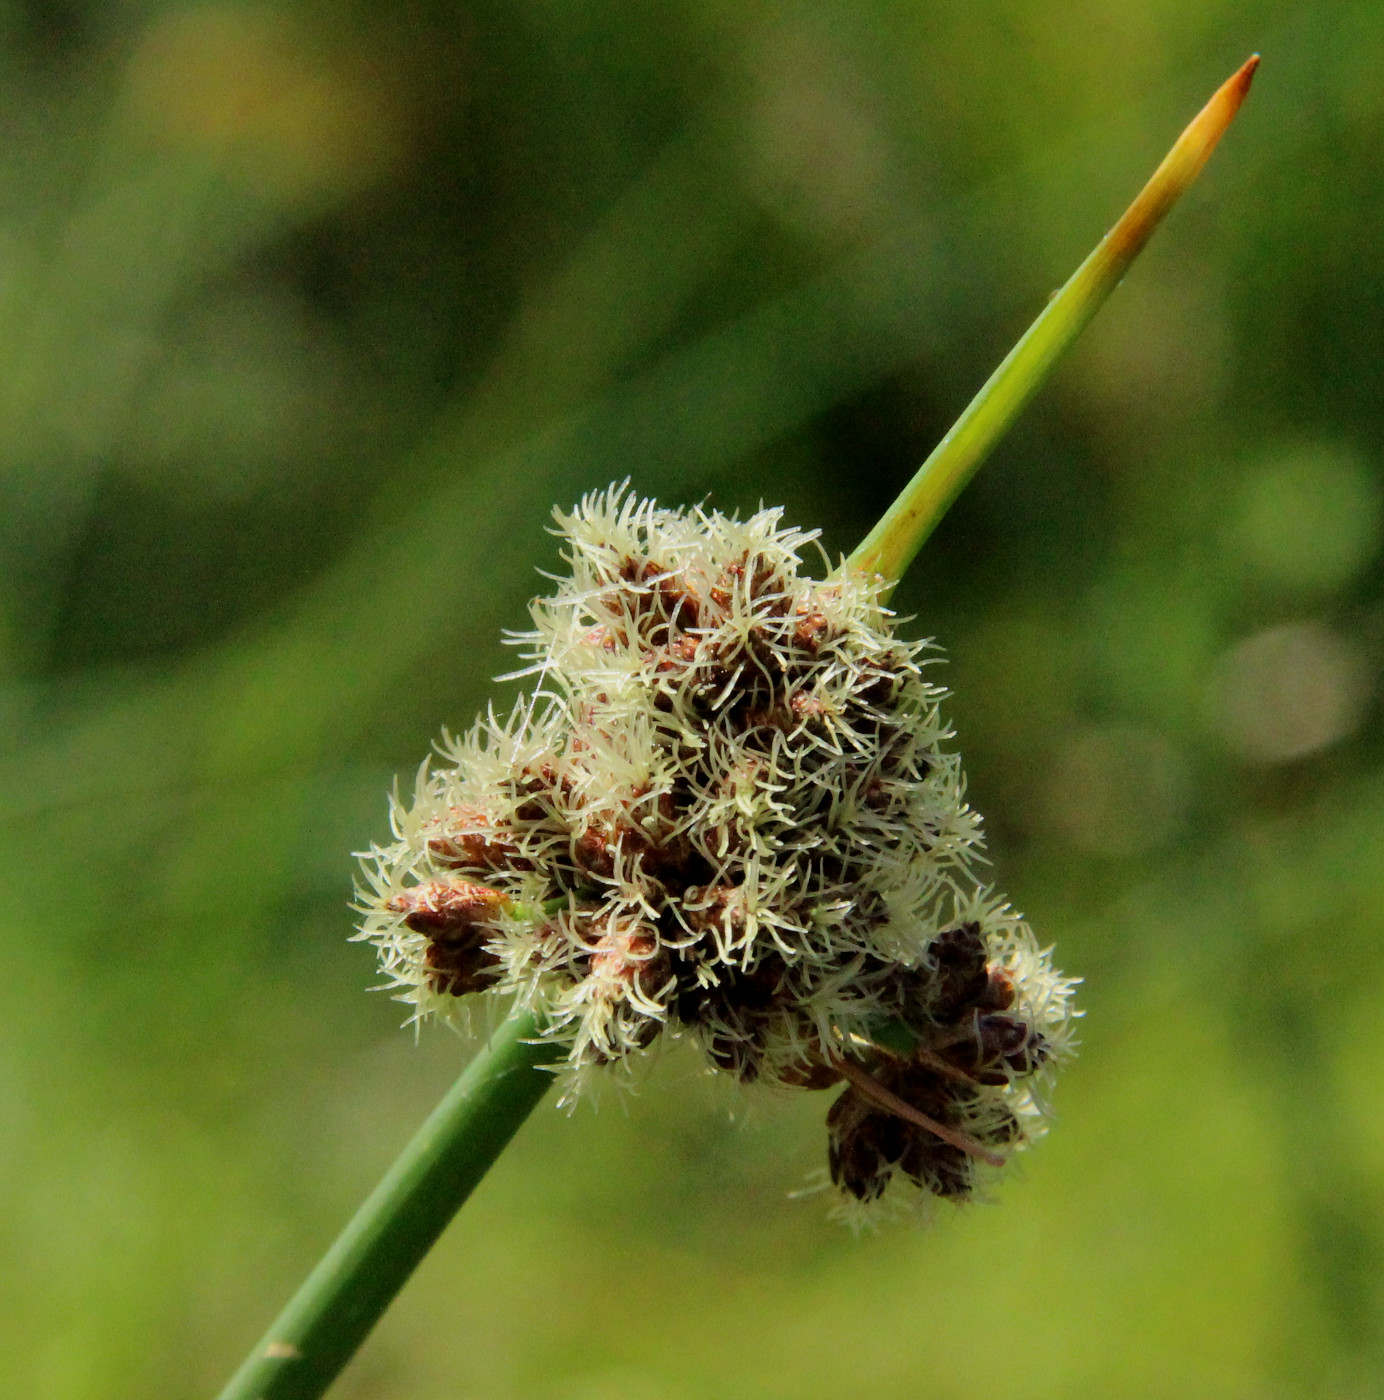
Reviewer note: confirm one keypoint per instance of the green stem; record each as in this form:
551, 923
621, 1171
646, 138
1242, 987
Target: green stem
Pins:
891, 546
333, 1312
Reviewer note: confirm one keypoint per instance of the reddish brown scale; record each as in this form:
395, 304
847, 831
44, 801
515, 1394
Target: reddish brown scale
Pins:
765, 654
607, 638
598, 847
546, 791
486, 846
454, 914
636, 803
710, 687
745, 774
671, 857
999, 993
533, 809
459, 969
812, 631
447, 908
807, 709
623, 950
881, 681
732, 579
675, 669
730, 672
621, 957
774, 718
716, 909
629, 953
738, 999
679, 604
767, 586
660, 595
961, 989
862, 1145
741, 1009
756, 700
619, 601
726, 677
680, 861
677, 656
726, 839
593, 851
550, 935
756, 577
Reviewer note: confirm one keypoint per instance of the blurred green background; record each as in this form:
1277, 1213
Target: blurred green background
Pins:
309, 314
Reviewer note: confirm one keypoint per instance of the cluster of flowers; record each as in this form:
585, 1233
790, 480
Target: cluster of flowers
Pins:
725, 812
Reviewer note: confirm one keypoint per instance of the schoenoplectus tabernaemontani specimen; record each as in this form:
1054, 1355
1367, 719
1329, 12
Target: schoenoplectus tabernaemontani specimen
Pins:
729, 809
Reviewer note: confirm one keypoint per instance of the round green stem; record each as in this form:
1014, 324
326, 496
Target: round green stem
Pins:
333, 1312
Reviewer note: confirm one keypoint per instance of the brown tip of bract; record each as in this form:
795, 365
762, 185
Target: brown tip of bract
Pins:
1235, 89
1246, 74
1180, 167
1208, 126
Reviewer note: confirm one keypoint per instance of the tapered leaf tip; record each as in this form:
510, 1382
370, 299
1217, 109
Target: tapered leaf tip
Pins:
1236, 88
1246, 74
1221, 110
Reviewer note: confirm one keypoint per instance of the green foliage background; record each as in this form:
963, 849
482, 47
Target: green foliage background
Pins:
309, 314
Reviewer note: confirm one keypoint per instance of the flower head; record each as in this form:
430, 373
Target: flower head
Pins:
726, 812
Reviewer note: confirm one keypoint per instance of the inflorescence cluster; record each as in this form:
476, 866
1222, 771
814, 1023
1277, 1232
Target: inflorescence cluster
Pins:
725, 812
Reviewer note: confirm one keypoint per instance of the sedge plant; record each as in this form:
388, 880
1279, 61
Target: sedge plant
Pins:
726, 812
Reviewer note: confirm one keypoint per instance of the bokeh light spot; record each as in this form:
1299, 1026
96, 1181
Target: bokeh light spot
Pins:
1288, 692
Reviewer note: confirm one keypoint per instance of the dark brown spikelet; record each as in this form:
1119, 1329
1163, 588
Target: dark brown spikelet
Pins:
863, 1145
866, 1143
995, 1048
456, 916
960, 975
